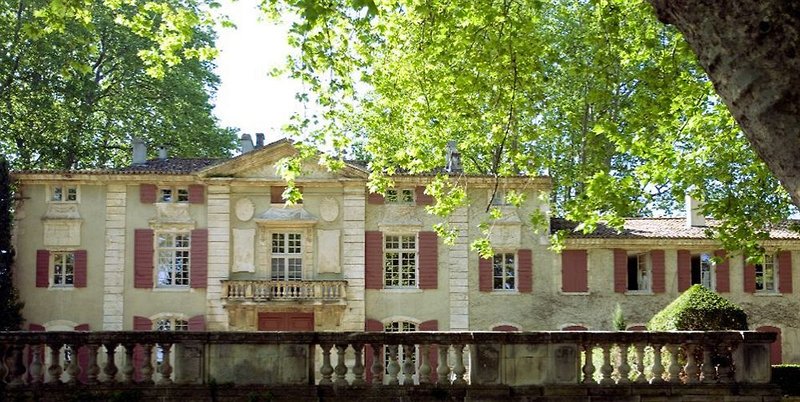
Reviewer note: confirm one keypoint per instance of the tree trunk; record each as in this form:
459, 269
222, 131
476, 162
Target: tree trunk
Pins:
750, 49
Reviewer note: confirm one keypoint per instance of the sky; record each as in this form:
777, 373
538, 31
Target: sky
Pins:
248, 98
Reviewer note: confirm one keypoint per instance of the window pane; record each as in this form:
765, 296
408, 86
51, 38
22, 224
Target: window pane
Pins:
72, 194
57, 193
166, 195
183, 195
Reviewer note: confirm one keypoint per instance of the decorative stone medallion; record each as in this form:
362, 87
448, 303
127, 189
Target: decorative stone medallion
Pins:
245, 209
329, 209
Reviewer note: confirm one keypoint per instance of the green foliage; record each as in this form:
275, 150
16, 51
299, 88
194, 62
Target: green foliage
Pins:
699, 309
74, 90
618, 319
598, 94
10, 305
787, 376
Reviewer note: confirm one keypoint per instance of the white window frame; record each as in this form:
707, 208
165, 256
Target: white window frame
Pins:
62, 259
644, 273
767, 270
68, 193
400, 326
503, 276
287, 248
168, 323
401, 258
400, 196
170, 258
173, 194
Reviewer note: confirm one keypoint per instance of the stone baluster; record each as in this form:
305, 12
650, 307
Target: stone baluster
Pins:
708, 373
127, 369
588, 366
458, 365
639, 350
724, 371
658, 366
110, 369
147, 363
341, 367
674, 369
16, 369
166, 367
691, 364
36, 368
624, 369
377, 364
424, 370
327, 369
606, 369
393, 368
358, 366
93, 369
54, 369
408, 364
442, 370
72, 369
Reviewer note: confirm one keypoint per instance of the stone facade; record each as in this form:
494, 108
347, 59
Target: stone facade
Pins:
196, 244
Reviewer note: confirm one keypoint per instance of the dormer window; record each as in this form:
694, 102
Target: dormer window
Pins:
173, 194
400, 196
63, 193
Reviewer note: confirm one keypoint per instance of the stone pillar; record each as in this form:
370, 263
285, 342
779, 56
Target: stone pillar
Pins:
458, 268
114, 260
354, 207
219, 243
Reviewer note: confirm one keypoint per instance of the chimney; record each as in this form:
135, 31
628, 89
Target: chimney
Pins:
452, 158
139, 151
246, 143
259, 140
162, 152
694, 213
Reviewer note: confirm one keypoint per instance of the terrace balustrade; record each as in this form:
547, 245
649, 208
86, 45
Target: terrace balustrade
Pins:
269, 290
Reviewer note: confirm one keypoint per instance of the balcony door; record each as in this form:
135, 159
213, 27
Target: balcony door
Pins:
286, 322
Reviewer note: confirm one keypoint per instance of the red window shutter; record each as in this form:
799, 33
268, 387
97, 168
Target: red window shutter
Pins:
684, 270
505, 328
370, 326
42, 268
83, 357
723, 273
197, 194
198, 257
574, 271
139, 324
749, 276
36, 328
433, 355
147, 193
80, 269
375, 199
143, 258
142, 323
82, 327
373, 259
574, 328
785, 271
775, 350
524, 271
484, 274
422, 198
620, 270
197, 323
637, 328
428, 260
657, 259
276, 194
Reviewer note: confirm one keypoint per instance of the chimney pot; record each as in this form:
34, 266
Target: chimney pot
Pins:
452, 158
259, 140
162, 152
139, 151
694, 212
246, 143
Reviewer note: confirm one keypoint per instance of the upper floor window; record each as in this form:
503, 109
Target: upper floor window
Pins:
63, 268
400, 196
639, 277
173, 259
766, 274
287, 257
173, 194
64, 193
703, 270
400, 261
504, 268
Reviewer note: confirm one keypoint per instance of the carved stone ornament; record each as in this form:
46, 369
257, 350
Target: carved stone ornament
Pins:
173, 212
329, 209
245, 209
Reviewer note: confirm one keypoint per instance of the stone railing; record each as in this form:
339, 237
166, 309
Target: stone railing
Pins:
268, 290
621, 360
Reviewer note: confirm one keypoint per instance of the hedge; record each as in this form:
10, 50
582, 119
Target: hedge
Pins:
699, 309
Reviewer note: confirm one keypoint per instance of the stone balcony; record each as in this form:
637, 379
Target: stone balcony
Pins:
303, 291
542, 366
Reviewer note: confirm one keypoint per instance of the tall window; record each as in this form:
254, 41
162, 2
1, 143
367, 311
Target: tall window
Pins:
504, 271
765, 274
173, 259
399, 326
703, 270
63, 268
287, 258
63, 193
400, 196
639, 272
400, 261
173, 194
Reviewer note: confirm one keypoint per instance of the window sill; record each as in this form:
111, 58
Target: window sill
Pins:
767, 294
575, 293
505, 292
172, 289
61, 288
401, 290
639, 293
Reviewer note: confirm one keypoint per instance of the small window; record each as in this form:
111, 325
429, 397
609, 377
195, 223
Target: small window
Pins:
504, 271
173, 194
766, 274
703, 270
400, 196
639, 272
63, 264
63, 193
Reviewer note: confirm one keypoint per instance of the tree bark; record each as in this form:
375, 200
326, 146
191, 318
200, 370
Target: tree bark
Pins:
751, 51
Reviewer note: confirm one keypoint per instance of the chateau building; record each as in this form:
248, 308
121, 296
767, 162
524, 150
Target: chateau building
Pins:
209, 244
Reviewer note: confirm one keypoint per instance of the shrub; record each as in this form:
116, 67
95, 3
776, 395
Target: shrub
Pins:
699, 309
787, 376
618, 319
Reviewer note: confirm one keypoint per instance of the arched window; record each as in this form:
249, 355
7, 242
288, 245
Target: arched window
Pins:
574, 328
505, 328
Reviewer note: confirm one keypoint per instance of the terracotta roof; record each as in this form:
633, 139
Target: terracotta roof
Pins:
171, 166
661, 228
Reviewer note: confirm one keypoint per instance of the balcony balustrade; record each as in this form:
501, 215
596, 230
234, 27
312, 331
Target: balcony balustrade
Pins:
269, 290
467, 361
